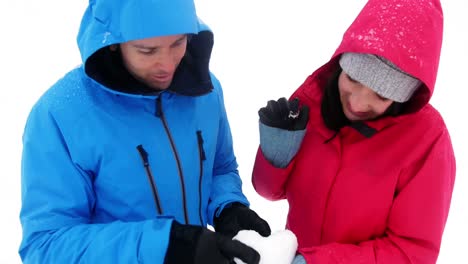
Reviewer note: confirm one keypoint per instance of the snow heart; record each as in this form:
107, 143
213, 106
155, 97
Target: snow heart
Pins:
279, 248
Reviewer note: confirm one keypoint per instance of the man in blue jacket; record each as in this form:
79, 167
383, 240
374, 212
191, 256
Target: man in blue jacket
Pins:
129, 157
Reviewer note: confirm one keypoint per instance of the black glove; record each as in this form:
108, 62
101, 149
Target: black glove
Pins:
238, 217
190, 244
284, 114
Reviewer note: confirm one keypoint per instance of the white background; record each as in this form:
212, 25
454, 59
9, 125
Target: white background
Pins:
263, 50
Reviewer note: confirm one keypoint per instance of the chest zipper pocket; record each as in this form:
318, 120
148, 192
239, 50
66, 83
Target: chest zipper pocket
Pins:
202, 157
149, 174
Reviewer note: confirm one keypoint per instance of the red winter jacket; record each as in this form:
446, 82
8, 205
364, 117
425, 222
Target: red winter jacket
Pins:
383, 199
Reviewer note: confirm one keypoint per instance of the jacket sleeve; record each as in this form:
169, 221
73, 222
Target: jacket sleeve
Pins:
227, 184
268, 180
57, 203
417, 218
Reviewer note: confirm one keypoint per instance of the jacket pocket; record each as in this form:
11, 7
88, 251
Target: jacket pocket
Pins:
149, 174
202, 157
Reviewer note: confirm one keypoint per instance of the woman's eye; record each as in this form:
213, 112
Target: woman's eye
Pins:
351, 79
381, 98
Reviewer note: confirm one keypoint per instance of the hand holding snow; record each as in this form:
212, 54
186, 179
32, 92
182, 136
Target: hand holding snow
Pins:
279, 248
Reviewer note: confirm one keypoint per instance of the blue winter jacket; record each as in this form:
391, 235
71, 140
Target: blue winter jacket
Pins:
106, 169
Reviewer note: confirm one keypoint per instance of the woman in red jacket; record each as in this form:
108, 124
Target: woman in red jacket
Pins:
364, 161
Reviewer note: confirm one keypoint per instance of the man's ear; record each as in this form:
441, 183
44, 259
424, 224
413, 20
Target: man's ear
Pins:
113, 47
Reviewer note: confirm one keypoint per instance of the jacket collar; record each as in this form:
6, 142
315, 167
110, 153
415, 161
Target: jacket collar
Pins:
192, 77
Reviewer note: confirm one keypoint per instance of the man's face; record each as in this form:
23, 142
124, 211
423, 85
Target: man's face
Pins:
154, 61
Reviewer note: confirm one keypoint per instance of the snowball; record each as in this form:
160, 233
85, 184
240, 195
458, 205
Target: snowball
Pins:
279, 248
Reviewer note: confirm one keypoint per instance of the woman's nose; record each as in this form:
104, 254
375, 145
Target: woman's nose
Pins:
359, 102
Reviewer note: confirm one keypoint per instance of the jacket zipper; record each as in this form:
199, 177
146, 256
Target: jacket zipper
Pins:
159, 113
202, 156
149, 173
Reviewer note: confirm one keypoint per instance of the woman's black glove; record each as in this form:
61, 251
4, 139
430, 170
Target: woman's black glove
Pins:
282, 128
284, 114
190, 244
236, 217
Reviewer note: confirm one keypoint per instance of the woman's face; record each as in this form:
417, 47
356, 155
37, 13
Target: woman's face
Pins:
359, 102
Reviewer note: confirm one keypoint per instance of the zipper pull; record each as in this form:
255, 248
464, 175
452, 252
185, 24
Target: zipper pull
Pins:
200, 145
158, 105
144, 155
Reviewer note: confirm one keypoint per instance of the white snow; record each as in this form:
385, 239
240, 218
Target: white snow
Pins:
279, 248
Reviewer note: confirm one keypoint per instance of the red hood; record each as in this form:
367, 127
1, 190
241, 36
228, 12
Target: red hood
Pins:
406, 32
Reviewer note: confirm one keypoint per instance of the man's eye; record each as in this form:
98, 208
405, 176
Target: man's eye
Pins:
146, 51
178, 43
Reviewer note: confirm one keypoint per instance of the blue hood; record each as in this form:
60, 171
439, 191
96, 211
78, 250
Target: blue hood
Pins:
107, 22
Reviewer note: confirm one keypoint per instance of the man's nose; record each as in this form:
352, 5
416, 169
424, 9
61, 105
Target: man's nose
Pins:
166, 62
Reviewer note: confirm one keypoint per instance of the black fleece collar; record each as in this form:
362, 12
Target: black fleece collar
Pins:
192, 77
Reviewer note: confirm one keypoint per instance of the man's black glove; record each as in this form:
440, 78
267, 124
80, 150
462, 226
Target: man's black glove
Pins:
190, 244
236, 217
284, 114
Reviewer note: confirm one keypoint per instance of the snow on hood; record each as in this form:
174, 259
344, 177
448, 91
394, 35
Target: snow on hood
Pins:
107, 22
406, 32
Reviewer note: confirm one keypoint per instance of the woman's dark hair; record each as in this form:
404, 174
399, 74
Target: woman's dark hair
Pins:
332, 110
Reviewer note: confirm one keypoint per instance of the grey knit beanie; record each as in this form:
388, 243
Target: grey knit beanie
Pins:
379, 74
